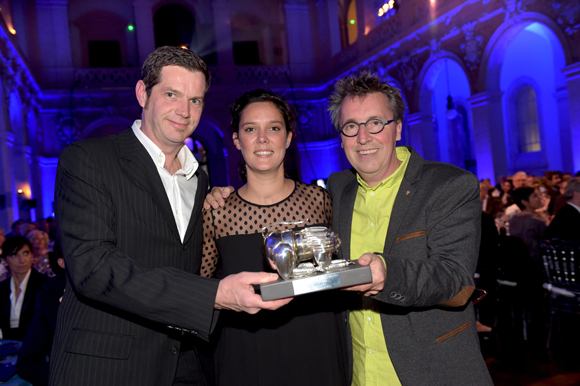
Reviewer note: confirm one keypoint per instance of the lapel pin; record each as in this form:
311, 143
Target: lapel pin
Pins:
408, 191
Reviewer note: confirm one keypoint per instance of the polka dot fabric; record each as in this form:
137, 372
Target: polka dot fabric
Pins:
239, 217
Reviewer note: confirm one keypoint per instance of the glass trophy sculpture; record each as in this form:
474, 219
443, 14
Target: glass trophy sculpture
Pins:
303, 260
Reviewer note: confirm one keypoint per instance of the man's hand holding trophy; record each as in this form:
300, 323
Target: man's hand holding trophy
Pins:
303, 260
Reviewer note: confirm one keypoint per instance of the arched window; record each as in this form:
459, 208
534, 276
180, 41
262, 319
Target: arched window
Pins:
351, 23
527, 120
173, 26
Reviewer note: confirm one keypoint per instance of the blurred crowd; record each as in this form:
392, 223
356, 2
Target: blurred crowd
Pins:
42, 236
517, 215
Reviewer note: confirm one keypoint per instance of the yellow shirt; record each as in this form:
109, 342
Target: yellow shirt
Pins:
370, 221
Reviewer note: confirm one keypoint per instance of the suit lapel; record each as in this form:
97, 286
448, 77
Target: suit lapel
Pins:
198, 204
347, 199
404, 198
140, 167
30, 289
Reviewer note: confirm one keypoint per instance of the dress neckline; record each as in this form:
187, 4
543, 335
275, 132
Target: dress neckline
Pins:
270, 205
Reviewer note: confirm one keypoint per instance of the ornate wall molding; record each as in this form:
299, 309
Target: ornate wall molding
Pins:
15, 75
471, 46
568, 16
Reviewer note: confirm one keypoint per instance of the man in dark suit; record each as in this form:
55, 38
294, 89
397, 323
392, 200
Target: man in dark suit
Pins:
15, 229
128, 208
566, 224
18, 292
417, 224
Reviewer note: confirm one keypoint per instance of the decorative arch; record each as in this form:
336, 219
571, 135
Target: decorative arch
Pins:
530, 52
423, 77
449, 132
497, 46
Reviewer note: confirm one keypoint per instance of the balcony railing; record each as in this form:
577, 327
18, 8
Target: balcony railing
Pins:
262, 74
128, 77
107, 77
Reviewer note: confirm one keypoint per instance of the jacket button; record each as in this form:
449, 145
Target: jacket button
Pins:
184, 247
174, 350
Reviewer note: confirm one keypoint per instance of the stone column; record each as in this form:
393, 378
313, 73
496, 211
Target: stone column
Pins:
223, 35
6, 180
488, 134
301, 54
20, 168
422, 135
572, 74
366, 22
329, 27
54, 42
563, 119
47, 168
144, 27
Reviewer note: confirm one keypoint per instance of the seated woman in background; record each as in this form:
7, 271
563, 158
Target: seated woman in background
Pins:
507, 190
299, 343
40, 260
18, 293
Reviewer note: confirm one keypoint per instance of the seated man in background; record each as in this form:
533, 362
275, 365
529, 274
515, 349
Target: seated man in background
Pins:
489, 204
519, 180
18, 294
566, 224
528, 225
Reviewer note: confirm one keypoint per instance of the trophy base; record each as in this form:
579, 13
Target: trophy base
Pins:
320, 281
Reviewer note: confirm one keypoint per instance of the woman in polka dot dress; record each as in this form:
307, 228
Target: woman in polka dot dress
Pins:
297, 344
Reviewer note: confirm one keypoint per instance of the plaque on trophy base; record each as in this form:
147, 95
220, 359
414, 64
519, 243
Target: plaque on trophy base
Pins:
346, 274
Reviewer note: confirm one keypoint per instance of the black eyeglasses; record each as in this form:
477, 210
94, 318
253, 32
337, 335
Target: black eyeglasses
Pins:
373, 125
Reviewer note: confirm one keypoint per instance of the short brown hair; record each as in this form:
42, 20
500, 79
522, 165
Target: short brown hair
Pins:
362, 85
171, 56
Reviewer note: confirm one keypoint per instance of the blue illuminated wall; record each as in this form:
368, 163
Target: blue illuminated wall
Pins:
535, 58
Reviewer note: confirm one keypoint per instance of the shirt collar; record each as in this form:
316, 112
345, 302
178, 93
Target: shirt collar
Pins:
575, 206
402, 154
188, 162
23, 283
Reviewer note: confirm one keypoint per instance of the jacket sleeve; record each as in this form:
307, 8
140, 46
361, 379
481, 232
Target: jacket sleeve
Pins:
99, 271
438, 268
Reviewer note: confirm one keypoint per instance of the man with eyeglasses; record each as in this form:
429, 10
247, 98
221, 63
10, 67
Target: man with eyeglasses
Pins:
417, 224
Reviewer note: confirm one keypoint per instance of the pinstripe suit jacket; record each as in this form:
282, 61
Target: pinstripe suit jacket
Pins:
430, 252
129, 276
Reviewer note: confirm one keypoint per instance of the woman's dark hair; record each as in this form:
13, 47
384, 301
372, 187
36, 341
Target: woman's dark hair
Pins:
255, 96
261, 95
521, 194
509, 182
13, 245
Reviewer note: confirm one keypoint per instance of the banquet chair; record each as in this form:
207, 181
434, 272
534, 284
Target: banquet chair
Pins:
515, 284
562, 266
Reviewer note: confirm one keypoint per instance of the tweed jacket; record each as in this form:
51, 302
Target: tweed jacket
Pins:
431, 252
131, 281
